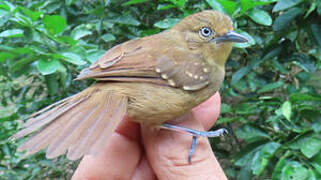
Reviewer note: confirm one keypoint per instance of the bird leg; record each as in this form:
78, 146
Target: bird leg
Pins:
195, 134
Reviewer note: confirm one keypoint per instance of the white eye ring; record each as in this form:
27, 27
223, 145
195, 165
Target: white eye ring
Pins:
205, 31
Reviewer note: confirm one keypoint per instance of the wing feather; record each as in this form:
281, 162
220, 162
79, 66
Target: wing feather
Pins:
135, 61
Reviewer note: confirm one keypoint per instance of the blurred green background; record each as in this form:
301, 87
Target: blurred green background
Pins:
271, 95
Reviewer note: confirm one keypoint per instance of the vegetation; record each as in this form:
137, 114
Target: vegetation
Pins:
271, 95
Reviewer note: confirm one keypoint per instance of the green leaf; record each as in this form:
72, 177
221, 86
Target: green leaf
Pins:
312, 175
128, 20
319, 7
6, 56
67, 40
261, 17
316, 163
3, 12
46, 67
131, 2
250, 133
178, 3
286, 18
225, 108
245, 173
285, 4
246, 5
261, 157
316, 31
94, 55
271, 86
166, 23
80, 32
108, 37
239, 74
54, 24
295, 97
304, 62
249, 4
108, 24
22, 50
225, 120
251, 40
69, 2
287, 110
294, 170
7, 5
257, 156
228, 5
244, 45
245, 108
315, 78
33, 15
4, 17
23, 63
316, 125
148, 32
161, 7
52, 84
73, 58
310, 146
279, 166
246, 154
63, 75
12, 33
313, 6
215, 5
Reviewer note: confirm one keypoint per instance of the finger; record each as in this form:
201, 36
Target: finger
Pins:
144, 171
117, 160
129, 129
167, 153
208, 111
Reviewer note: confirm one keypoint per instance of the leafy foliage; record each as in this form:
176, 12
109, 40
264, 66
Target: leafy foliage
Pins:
271, 101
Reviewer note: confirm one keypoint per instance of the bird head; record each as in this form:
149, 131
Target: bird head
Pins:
211, 33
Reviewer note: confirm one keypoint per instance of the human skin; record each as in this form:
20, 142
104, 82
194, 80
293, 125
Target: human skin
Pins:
140, 153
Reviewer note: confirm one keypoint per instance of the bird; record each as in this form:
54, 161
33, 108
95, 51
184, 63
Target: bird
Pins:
152, 80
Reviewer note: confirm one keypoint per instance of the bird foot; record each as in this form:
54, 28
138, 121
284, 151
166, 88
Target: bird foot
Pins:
195, 134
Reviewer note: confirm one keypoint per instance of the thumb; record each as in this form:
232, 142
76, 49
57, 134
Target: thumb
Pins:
167, 153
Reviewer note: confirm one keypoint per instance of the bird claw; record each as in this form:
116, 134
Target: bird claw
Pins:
195, 133
192, 149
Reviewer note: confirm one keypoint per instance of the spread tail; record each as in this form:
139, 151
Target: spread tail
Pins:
80, 124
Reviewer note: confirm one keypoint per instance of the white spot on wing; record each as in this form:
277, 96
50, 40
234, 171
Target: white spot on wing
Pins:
171, 82
164, 76
157, 70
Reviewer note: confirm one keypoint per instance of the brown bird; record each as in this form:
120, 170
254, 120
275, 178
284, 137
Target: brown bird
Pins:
152, 79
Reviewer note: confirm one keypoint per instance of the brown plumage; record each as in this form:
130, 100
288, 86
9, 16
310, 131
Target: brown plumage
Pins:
153, 79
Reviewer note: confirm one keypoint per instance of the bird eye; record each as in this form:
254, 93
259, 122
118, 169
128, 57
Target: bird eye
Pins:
205, 31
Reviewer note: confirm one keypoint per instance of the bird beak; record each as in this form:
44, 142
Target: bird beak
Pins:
230, 36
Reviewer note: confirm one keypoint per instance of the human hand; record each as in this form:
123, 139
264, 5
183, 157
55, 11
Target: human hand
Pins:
143, 153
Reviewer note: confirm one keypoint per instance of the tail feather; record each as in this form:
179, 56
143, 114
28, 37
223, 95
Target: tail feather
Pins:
68, 133
36, 116
118, 113
80, 124
76, 133
91, 134
44, 119
48, 134
50, 107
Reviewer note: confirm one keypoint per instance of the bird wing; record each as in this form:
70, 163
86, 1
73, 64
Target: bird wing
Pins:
143, 60
130, 59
